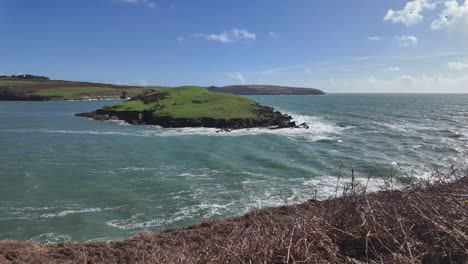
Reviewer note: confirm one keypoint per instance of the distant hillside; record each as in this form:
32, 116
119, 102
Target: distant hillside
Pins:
265, 90
40, 88
29, 87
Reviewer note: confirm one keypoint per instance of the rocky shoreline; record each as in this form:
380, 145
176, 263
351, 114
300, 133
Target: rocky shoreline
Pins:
267, 118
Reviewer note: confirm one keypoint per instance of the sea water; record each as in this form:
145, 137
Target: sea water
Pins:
69, 178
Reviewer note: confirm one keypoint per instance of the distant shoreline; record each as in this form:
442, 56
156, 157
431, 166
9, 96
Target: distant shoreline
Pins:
44, 89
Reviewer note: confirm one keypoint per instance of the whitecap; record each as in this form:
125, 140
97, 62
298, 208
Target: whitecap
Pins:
68, 212
52, 238
64, 213
318, 130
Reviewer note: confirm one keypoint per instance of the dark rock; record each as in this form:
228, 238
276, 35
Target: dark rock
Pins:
266, 117
303, 125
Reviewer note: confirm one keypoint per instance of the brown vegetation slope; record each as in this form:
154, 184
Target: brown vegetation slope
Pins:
20, 89
423, 224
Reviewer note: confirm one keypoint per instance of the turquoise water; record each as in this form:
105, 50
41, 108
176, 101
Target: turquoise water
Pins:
68, 178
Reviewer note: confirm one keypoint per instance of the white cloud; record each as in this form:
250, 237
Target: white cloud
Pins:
273, 71
411, 13
407, 41
392, 69
180, 39
404, 84
142, 82
363, 58
374, 38
147, 3
458, 65
237, 76
273, 35
230, 36
453, 18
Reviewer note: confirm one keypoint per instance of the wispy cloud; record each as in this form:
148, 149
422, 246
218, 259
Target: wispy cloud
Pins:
229, 36
374, 38
237, 76
180, 39
147, 3
363, 58
391, 69
411, 13
407, 41
458, 65
273, 35
277, 70
142, 82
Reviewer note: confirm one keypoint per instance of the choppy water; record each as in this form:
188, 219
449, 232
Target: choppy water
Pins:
69, 178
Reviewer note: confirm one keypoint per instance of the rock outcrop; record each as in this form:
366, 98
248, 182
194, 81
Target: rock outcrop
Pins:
267, 117
191, 106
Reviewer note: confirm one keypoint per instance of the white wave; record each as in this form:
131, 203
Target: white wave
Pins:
139, 221
138, 169
52, 238
214, 209
76, 211
70, 132
318, 130
133, 223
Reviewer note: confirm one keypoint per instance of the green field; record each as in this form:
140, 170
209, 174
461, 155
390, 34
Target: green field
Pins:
191, 102
69, 92
4, 83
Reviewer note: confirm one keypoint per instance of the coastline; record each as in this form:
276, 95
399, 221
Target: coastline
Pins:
424, 223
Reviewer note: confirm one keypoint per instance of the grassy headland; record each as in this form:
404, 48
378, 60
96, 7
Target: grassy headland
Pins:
191, 102
191, 106
426, 223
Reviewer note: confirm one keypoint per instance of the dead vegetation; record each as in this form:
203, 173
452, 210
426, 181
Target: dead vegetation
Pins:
424, 223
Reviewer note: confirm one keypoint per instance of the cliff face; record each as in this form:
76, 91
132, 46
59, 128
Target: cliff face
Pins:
193, 107
266, 118
265, 90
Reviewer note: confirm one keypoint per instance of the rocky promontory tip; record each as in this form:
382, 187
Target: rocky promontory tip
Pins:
194, 107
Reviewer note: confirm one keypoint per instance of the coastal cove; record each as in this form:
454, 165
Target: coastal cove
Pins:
132, 178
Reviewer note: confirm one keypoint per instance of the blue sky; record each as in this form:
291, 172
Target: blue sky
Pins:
333, 45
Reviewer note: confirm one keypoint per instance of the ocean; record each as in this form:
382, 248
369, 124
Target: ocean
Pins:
66, 178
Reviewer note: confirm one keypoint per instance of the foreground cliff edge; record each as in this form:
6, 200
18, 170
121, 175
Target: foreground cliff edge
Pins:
427, 223
191, 106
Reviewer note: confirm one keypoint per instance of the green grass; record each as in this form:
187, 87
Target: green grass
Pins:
192, 102
17, 82
68, 92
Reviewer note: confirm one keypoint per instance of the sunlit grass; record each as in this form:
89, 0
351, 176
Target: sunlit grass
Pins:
193, 102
